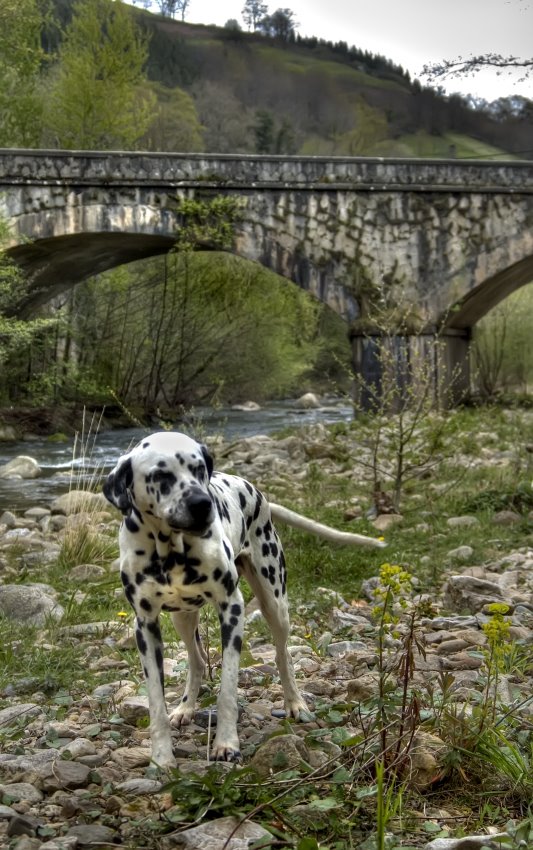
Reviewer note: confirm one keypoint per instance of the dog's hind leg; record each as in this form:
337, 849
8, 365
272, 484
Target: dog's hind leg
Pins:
271, 595
186, 624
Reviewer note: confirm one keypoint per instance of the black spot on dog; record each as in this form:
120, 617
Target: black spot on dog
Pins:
236, 609
140, 552
131, 525
138, 515
227, 550
258, 504
153, 628
145, 604
139, 578
141, 643
249, 487
217, 574
237, 643
197, 601
159, 661
274, 550
226, 631
228, 583
164, 538
146, 444
265, 550
242, 500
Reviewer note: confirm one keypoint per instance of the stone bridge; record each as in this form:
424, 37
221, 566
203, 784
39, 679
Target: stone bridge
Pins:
439, 242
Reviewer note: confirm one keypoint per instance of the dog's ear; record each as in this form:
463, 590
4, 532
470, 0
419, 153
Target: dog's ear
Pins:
118, 483
208, 460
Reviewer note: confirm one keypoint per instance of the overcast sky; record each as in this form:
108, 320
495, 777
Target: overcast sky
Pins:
411, 32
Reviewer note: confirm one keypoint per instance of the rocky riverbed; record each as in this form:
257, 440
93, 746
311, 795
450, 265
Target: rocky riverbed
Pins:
75, 764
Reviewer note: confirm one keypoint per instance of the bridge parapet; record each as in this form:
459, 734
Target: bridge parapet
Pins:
87, 168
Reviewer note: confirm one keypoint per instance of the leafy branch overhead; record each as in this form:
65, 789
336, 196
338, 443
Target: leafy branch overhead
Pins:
207, 224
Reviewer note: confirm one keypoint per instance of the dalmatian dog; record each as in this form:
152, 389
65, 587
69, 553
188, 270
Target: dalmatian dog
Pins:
188, 534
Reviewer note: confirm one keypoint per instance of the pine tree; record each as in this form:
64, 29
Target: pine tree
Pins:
20, 60
94, 90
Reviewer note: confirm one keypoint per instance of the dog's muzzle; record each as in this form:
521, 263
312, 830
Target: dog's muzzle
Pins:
197, 517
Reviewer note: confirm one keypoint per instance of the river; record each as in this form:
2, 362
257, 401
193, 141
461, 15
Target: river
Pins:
62, 466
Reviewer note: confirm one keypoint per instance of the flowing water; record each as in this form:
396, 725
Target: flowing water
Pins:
63, 466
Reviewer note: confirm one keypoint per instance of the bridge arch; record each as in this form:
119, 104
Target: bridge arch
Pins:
72, 244
494, 289
444, 234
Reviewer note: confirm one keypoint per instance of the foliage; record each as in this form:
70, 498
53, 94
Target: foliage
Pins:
174, 123
21, 57
253, 13
94, 87
503, 348
167, 8
206, 223
16, 335
180, 350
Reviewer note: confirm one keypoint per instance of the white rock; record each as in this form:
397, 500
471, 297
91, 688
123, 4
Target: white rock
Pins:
21, 466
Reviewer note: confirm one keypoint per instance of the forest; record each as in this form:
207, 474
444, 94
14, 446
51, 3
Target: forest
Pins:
106, 76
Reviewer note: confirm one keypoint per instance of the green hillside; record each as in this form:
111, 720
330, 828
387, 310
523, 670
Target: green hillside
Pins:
220, 89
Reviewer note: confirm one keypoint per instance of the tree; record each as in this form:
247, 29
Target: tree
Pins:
224, 119
253, 13
16, 335
94, 97
174, 124
21, 56
280, 25
168, 8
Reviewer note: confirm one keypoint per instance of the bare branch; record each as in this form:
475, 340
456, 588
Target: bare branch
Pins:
461, 66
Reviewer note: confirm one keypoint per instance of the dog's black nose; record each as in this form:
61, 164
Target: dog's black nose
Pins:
200, 507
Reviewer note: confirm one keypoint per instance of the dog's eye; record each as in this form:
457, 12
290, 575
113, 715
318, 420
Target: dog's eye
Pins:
165, 480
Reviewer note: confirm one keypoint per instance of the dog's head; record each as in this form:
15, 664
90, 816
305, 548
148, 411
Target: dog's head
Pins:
166, 476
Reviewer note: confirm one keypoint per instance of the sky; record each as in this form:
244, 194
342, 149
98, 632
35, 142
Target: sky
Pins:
412, 33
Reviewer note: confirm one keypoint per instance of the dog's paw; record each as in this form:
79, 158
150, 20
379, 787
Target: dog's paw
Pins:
182, 715
226, 752
298, 709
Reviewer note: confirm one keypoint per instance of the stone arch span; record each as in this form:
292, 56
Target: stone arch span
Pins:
489, 293
80, 239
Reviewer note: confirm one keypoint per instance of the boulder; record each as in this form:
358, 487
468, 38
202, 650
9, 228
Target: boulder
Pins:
76, 501
21, 466
307, 401
29, 603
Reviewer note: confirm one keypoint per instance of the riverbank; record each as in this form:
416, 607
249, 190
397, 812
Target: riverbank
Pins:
75, 769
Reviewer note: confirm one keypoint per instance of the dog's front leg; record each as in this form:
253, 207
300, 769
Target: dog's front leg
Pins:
231, 615
186, 624
150, 646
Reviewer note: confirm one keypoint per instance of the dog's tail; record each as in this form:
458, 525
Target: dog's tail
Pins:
344, 538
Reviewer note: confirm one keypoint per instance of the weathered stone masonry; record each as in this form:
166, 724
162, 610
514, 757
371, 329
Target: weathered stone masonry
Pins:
447, 239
